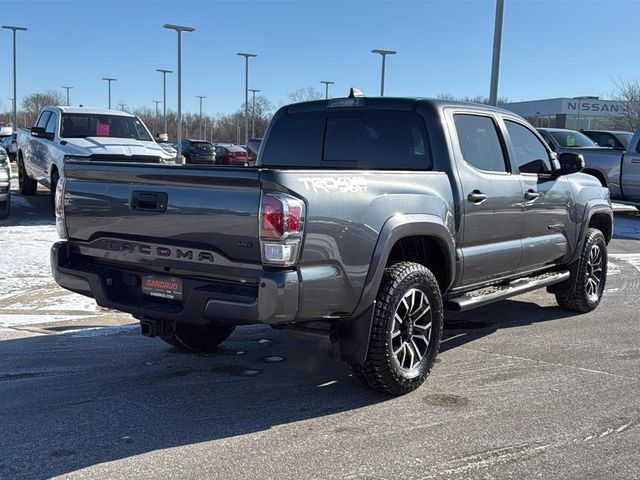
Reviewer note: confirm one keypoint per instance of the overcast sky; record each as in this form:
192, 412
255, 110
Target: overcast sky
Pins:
550, 48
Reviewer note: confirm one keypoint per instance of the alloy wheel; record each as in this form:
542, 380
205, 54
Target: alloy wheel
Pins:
410, 335
594, 274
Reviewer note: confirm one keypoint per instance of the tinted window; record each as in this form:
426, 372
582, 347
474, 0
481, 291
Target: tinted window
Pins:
370, 140
595, 136
44, 118
342, 143
479, 142
531, 156
295, 141
571, 139
51, 124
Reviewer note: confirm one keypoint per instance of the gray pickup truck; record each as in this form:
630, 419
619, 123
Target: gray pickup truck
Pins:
362, 221
616, 170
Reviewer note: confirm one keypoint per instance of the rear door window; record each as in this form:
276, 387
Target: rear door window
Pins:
479, 143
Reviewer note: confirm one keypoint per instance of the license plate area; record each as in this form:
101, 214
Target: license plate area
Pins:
160, 286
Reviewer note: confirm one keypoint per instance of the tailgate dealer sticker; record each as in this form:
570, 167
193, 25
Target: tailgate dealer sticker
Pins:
335, 184
163, 287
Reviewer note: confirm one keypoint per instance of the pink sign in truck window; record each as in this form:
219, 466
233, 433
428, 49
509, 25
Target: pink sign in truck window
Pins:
102, 129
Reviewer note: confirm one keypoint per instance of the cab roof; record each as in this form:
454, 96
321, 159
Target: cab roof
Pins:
93, 111
390, 103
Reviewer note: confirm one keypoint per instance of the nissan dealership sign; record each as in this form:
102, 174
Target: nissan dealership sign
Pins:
589, 106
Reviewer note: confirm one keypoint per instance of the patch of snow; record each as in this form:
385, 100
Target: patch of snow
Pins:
19, 320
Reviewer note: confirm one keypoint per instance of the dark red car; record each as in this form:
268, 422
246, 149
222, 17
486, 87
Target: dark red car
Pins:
229, 154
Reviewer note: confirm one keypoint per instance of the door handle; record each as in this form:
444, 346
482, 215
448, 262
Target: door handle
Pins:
477, 197
531, 195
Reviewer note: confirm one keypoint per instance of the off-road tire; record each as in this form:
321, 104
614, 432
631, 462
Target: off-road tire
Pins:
26, 185
379, 370
575, 297
5, 208
199, 338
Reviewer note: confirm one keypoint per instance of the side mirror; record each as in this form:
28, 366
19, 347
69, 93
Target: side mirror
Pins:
571, 163
39, 132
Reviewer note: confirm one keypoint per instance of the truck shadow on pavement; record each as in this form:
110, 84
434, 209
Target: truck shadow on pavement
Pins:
75, 400
463, 328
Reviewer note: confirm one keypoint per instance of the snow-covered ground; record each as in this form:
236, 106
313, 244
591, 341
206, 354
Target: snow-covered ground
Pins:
28, 294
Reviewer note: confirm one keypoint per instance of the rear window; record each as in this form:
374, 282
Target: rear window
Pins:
235, 148
295, 141
383, 140
202, 146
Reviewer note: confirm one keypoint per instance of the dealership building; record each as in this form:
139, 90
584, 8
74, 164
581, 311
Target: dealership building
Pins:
586, 113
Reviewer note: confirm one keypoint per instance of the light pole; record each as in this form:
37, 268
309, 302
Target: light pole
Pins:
67, 88
384, 54
155, 119
200, 97
122, 105
497, 42
164, 98
14, 29
109, 80
253, 112
246, 56
326, 87
179, 29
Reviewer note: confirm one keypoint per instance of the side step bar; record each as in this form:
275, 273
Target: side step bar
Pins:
495, 293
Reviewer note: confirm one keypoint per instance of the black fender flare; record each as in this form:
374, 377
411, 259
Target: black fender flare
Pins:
354, 334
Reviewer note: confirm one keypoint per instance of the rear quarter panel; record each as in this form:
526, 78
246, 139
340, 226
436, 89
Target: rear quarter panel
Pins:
346, 211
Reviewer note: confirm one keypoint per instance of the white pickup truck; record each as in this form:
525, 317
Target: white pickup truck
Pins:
61, 133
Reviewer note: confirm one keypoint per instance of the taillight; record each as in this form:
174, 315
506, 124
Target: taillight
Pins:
281, 228
61, 226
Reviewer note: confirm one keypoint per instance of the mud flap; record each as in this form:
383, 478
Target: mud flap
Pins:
353, 337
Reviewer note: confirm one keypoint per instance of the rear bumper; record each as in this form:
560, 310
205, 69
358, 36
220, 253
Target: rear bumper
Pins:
274, 300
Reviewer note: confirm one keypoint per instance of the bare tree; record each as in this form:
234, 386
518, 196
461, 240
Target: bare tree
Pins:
628, 92
477, 99
304, 94
33, 103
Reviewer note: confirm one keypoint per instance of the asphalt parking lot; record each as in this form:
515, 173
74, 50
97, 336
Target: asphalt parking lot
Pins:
521, 389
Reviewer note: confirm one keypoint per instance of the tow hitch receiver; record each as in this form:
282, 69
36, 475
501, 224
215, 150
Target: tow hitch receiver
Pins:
150, 327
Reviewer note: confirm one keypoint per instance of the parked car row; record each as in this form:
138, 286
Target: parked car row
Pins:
616, 170
5, 184
202, 152
8, 142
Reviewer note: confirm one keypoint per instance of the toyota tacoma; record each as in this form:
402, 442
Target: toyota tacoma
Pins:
362, 221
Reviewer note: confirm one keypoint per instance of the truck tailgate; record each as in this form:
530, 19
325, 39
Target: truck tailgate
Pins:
194, 217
